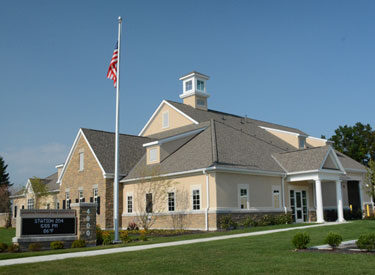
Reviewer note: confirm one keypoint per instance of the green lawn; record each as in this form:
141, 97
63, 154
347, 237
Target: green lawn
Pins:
6, 235
258, 254
151, 240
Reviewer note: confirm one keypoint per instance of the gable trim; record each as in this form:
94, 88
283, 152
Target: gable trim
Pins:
335, 159
80, 133
157, 110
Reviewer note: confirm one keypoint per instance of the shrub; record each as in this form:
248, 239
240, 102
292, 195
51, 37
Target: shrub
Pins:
107, 238
124, 236
300, 240
3, 247
267, 220
99, 235
366, 241
283, 219
133, 226
227, 223
143, 236
79, 243
13, 248
333, 239
56, 245
250, 222
35, 247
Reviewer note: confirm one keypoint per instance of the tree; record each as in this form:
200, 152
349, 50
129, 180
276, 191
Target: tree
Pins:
357, 142
370, 179
39, 189
151, 196
4, 188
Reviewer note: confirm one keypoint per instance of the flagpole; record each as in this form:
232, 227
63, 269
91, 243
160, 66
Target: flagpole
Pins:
115, 187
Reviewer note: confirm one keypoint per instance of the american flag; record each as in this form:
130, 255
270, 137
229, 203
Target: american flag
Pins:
112, 70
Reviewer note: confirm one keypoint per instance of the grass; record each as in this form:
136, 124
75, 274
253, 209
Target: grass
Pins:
151, 240
258, 254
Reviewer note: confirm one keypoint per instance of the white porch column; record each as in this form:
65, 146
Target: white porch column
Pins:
340, 210
319, 201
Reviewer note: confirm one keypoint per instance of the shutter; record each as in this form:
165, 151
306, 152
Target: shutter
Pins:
98, 206
63, 204
91, 199
15, 211
76, 200
83, 199
70, 201
23, 207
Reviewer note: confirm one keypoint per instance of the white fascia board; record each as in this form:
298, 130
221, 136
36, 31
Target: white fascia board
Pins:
172, 138
157, 110
203, 94
355, 170
201, 170
281, 131
321, 139
246, 171
193, 74
80, 133
59, 165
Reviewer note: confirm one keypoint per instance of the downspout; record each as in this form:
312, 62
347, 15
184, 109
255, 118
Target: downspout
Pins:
207, 198
283, 191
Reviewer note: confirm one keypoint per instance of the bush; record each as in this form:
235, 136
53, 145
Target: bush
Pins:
57, 245
143, 236
267, 220
99, 235
3, 247
107, 237
14, 248
366, 241
300, 240
227, 223
250, 222
124, 236
79, 243
333, 239
133, 226
283, 219
35, 247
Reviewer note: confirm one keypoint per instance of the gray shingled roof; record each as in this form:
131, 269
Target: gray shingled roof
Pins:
50, 181
302, 160
103, 144
349, 163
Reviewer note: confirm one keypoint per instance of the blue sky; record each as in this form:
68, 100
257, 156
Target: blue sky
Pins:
305, 64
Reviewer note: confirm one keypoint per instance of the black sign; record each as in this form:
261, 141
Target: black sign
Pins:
48, 226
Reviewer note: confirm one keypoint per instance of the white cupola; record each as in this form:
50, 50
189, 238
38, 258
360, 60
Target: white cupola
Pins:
194, 91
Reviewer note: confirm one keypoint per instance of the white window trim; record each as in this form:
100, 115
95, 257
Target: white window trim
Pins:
129, 194
81, 161
165, 123
156, 150
239, 187
174, 197
274, 188
192, 188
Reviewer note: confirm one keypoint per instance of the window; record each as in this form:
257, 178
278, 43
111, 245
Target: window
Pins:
130, 204
67, 198
171, 201
200, 85
80, 196
30, 204
81, 161
95, 191
301, 142
153, 154
57, 205
165, 119
243, 198
15, 211
48, 206
149, 203
188, 85
276, 197
196, 200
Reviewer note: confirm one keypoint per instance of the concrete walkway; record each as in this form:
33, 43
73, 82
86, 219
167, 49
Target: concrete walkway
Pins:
54, 257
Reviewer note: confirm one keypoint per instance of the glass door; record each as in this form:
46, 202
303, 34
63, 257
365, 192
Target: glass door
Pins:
298, 203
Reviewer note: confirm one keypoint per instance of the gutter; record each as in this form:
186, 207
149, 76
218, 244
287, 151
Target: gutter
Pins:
283, 192
207, 198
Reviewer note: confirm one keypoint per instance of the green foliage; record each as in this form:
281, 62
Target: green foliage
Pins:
57, 245
107, 237
357, 142
14, 248
301, 240
4, 190
370, 179
250, 222
333, 239
99, 235
124, 236
227, 223
268, 220
283, 219
366, 241
3, 247
143, 236
4, 176
79, 243
35, 247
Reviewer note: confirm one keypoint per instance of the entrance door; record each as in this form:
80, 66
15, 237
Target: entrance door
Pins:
298, 202
353, 195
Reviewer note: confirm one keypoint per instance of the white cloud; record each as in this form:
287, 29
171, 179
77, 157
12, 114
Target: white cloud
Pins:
39, 161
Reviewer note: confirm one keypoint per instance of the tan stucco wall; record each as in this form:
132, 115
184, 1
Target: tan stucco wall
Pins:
289, 138
260, 189
176, 120
302, 185
73, 179
315, 142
